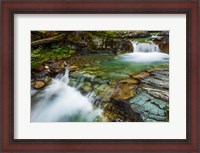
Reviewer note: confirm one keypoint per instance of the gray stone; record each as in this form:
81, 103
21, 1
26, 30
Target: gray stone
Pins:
152, 81
149, 108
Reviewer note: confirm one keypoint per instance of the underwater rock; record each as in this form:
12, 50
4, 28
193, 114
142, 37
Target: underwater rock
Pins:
124, 91
86, 87
104, 92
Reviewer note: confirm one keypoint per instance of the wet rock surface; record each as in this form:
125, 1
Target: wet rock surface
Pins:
162, 40
138, 97
143, 97
38, 84
151, 104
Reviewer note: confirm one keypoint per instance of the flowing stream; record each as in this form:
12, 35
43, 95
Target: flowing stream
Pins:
60, 102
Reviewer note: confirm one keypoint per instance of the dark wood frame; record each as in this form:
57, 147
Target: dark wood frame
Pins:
11, 7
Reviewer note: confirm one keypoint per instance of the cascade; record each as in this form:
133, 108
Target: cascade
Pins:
145, 53
60, 102
145, 47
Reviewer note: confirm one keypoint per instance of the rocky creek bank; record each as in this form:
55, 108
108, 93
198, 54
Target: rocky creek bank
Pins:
141, 97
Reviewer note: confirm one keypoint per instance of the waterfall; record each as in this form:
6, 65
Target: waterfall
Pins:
145, 53
60, 102
145, 47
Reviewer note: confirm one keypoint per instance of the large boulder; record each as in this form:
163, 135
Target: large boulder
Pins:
124, 46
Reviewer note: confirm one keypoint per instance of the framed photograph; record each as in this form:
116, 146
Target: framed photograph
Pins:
99, 76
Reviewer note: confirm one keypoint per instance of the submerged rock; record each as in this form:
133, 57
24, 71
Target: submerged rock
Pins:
124, 91
86, 87
142, 97
104, 92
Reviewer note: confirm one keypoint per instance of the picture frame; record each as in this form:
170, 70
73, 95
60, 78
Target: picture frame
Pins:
10, 7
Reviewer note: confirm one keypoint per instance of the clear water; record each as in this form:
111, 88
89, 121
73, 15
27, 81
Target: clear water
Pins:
120, 68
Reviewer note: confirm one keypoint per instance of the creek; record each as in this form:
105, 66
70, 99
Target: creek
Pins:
62, 101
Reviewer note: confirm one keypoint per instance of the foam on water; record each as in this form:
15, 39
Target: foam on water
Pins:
60, 102
145, 53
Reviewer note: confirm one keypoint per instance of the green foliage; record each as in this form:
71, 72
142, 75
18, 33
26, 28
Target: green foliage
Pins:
40, 55
104, 34
60, 50
111, 33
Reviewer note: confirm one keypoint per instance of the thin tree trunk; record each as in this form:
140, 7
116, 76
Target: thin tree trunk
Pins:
48, 40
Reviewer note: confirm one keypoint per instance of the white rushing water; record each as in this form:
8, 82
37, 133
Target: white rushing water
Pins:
145, 53
145, 47
60, 102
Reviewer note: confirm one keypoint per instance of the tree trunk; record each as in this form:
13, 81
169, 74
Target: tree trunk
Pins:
48, 40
